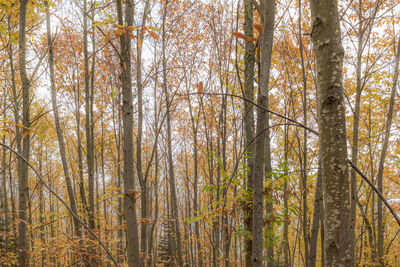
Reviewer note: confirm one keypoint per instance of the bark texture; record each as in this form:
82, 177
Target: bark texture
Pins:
248, 117
329, 54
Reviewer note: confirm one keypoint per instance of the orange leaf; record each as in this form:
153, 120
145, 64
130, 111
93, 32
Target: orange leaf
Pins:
130, 28
119, 32
154, 35
258, 27
25, 134
239, 35
118, 26
200, 87
139, 42
252, 39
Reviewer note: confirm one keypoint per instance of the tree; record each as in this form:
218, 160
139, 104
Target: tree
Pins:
132, 238
23, 166
262, 160
329, 54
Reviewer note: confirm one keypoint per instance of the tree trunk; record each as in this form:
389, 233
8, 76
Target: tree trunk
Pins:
306, 237
174, 204
60, 137
248, 117
22, 165
383, 154
89, 119
142, 180
329, 54
262, 153
354, 150
316, 217
127, 118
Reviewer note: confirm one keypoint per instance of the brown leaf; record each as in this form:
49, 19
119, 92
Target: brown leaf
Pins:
118, 32
258, 27
118, 26
239, 35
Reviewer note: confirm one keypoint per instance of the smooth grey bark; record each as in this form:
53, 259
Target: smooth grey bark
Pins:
329, 54
380, 237
262, 160
127, 119
60, 137
22, 165
248, 118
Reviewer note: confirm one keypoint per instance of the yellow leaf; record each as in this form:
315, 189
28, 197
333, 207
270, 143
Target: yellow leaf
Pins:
107, 37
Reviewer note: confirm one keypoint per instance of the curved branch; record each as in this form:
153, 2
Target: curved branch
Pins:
62, 201
296, 123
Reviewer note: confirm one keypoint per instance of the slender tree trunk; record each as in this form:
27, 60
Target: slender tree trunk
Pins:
286, 245
262, 153
156, 164
117, 134
22, 165
89, 119
354, 150
4, 181
384, 152
304, 167
196, 181
127, 118
329, 54
142, 180
41, 210
171, 174
248, 117
60, 137
316, 217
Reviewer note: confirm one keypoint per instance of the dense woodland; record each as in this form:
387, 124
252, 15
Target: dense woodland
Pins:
199, 133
